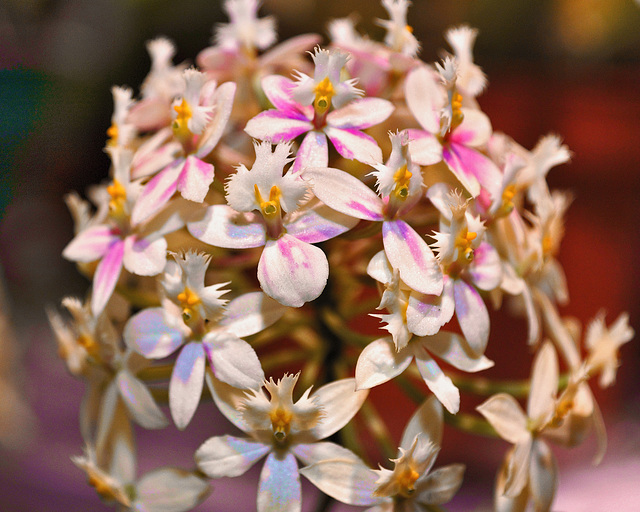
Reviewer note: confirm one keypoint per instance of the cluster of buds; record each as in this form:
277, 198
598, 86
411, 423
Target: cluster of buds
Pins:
377, 183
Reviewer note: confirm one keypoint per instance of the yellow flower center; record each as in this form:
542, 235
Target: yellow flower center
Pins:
105, 489
181, 122
89, 344
188, 299
547, 245
406, 480
463, 244
324, 92
280, 422
401, 178
456, 107
118, 197
112, 133
270, 209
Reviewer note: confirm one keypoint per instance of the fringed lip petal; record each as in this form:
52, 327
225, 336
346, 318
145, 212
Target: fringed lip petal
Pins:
472, 315
279, 489
344, 193
106, 277
149, 334
91, 244
291, 271
228, 456
186, 383
222, 226
353, 144
379, 362
411, 255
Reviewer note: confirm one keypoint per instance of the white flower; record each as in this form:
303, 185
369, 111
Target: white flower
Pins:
604, 343
245, 29
399, 36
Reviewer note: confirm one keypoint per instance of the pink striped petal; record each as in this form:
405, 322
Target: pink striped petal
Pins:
439, 384
313, 152
425, 148
291, 271
361, 114
106, 277
278, 89
471, 168
195, 178
408, 252
319, 223
223, 102
475, 129
145, 256
486, 268
379, 362
277, 126
472, 315
186, 383
351, 143
157, 192
344, 193
222, 226
149, 334
279, 489
91, 244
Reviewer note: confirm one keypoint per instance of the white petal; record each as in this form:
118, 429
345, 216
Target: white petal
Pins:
379, 362
544, 383
157, 192
425, 148
438, 382
424, 97
279, 489
455, 350
148, 334
323, 450
340, 402
228, 400
195, 178
291, 271
223, 101
251, 313
362, 113
427, 313
353, 144
169, 490
145, 256
228, 456
139, 401
233, 360
427, 420
224, 227
518, 468
543, 476
91, 244
313, 152
316, 222
472, 315
185, 387
506, 416
440, 485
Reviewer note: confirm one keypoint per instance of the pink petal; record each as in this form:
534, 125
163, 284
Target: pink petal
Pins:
411, 255
186, 383
195, 178
425, 148
278, 89
222, 226
472, 315
145, 256
471, 168
344, 193
157, 192
361, 114
353, 144
319, 223
91, 244
291, 271
313, 152
106, 277
292, 47
486, 268
277, 126
475, 129
379, 362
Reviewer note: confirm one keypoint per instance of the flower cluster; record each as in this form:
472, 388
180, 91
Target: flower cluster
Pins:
259, 209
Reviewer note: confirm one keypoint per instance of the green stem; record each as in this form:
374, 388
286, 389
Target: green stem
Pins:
378, 429
485, 387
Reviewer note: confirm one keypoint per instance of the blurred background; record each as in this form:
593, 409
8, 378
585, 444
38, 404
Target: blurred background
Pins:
570, 67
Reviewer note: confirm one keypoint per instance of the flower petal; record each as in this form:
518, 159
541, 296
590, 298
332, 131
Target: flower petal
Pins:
440, 485
278, 89
439, 384
185, 387
427, 420
379, 362
228, 456
471, 168
195, 179
222, 226
233, 360
319, 223
323, 450
340, 402
291, 271
251, 313
139, 401
228, 400
486, 268
543, 476
425, 148
106, 277
475, 129
426, 314
344, 193
424, 98
353, 144
223, 102
148, 334
411, 255
313, 152
362, 113
278, 126
472, 315
91, 244
518, 468
544, 383
145, 256
157, 192
455, 350
169, 490
506, 416
279, 489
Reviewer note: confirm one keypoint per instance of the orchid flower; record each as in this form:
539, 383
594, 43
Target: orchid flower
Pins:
399, 36
399, 185
195, 318
283, 431
121, 132
290, 270
471, 80
467, 131
199, 120
305, 107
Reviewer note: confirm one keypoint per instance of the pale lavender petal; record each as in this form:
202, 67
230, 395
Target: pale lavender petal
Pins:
439, 384
291, 271
276, 126
424, 97
139, 401
313, 152
233, 360
426, 314
195, 179
472, 315
379, 362
486, 268
223, 102
344, 193
425, 148
186, 383
340, 402
91, 244
222, 226
145, 256
455, 350
279, 489
472, 168
106, 277
228, 456
148, 334
411, 255
251, 313
157, 192
361, 114
353, 144
319, 223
